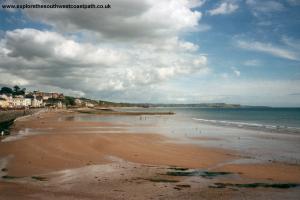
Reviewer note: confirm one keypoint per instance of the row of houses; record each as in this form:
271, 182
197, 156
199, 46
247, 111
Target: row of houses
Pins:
82, 103
34, 99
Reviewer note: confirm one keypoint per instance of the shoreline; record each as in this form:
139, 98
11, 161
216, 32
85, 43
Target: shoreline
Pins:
251, 126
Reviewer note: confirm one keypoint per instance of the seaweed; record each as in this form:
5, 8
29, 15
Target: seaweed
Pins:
256, 185
9, 177
39, 178
179, 168
162, 180
180, 173
183, 186
204, 174
207, 174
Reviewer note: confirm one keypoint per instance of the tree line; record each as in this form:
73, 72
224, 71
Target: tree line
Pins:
16, 90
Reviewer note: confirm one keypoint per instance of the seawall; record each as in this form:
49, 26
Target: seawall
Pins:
9, 115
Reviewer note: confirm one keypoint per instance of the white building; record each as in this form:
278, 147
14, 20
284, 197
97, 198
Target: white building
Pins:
78, 102
18, 102
37, 102
27, 102
59, 104
89, 105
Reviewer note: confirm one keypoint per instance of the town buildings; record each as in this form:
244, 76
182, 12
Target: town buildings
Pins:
34, 99
38, 99
47, 95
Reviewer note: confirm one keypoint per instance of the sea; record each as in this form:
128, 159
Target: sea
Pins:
266, 118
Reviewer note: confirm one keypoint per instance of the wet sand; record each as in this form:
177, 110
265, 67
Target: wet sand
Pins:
59, 158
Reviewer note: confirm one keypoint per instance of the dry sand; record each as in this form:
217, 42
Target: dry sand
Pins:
79, 164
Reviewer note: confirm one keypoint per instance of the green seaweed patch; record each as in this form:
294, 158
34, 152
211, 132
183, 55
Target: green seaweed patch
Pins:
160, 180
178, 168
39, 178
256, 185
183, 186
207, 174
204, 174
9, 177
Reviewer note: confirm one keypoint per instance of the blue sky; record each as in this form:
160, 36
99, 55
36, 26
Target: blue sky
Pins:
233, 51
269, 28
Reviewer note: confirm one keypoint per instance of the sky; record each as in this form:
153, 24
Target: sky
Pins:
168, 51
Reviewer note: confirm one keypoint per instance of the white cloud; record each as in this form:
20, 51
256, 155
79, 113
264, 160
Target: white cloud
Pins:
235, 71
12, 79
196, 3
127, 20
264, 7
224, 8
264, 23
33, 44
291, 42
134, 46
45, 58
269, 49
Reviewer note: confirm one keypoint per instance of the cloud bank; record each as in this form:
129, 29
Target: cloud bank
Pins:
224, 9
134, 45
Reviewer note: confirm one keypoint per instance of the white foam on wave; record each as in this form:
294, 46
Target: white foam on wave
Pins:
248, 125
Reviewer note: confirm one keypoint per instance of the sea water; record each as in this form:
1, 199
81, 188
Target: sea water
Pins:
252, 117
268, 118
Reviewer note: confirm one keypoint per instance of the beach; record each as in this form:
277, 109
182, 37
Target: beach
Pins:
65, 154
